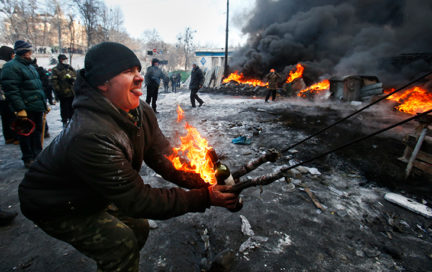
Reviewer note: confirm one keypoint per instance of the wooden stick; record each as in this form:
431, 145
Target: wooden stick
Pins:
43, 129
314, 199
271, 155
262, 180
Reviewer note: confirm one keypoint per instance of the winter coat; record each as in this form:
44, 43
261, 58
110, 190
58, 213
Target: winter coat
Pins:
197, 79
153, 76
22, 86
273, 79
96, 161
62, 80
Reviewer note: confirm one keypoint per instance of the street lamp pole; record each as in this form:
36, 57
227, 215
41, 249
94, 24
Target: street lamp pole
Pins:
226, 42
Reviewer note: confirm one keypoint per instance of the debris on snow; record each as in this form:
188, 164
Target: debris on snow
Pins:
246, 227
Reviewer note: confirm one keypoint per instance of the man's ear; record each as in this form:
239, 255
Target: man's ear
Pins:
103, 87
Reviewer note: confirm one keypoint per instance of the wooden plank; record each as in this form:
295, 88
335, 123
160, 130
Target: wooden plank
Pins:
409, 204
425, 167
426, 147
425, 157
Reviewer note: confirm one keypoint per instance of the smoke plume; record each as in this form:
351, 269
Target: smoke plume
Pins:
338, 38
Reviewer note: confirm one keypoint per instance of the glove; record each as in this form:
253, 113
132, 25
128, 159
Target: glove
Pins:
22, 114
220, 197
48, 109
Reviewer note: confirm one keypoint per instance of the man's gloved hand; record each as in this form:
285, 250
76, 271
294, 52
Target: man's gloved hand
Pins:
220, 197
22, 114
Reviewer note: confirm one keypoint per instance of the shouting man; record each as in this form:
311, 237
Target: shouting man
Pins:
85, 187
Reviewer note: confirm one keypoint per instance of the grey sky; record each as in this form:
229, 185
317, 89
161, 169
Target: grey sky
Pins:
170, 17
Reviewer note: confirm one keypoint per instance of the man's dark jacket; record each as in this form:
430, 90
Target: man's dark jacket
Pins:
22, 86
153, 76
96, 161
197, 79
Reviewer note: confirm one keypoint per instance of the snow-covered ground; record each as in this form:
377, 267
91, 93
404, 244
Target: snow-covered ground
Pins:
279, 227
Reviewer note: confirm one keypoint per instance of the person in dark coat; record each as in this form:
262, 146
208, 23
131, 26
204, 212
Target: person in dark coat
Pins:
6, 54
7, 116
173, 83
166, 83
178, 79
197, 80
153, 77
62, 80
24, 92
273, 79
85, 187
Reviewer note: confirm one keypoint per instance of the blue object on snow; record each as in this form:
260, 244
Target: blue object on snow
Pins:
243, 140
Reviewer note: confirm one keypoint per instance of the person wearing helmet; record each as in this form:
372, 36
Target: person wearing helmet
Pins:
26, 96
273, 79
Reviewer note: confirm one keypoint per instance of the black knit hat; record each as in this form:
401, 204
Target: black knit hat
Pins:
106, 60
62, 57
21, 47
6, 53
154, 61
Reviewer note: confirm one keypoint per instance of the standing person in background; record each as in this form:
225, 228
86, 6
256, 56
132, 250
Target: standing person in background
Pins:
197, 80
6, 54
173, 83
152, 78
273, 79
166, 83
24, 91
62, 80
178, 80
43, 75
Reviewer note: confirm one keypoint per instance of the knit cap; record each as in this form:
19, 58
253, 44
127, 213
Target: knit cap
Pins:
106, 60
6, 53
22, 47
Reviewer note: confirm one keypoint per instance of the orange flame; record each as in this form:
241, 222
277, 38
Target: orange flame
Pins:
315, 88
239, 78
412, 101
180, 114
191, 155
293, 75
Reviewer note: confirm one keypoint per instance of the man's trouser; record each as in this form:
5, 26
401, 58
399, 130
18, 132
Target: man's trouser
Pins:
31, 145
66, 110
114, 242
152, 95
193, 96
174, 86
7, 117
273, 94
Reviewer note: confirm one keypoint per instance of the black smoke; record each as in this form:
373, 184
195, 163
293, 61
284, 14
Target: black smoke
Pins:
339, 38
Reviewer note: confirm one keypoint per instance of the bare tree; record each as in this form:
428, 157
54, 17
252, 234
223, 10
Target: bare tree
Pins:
90, 12
71, 27
185, 41
57, 20
12, 22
